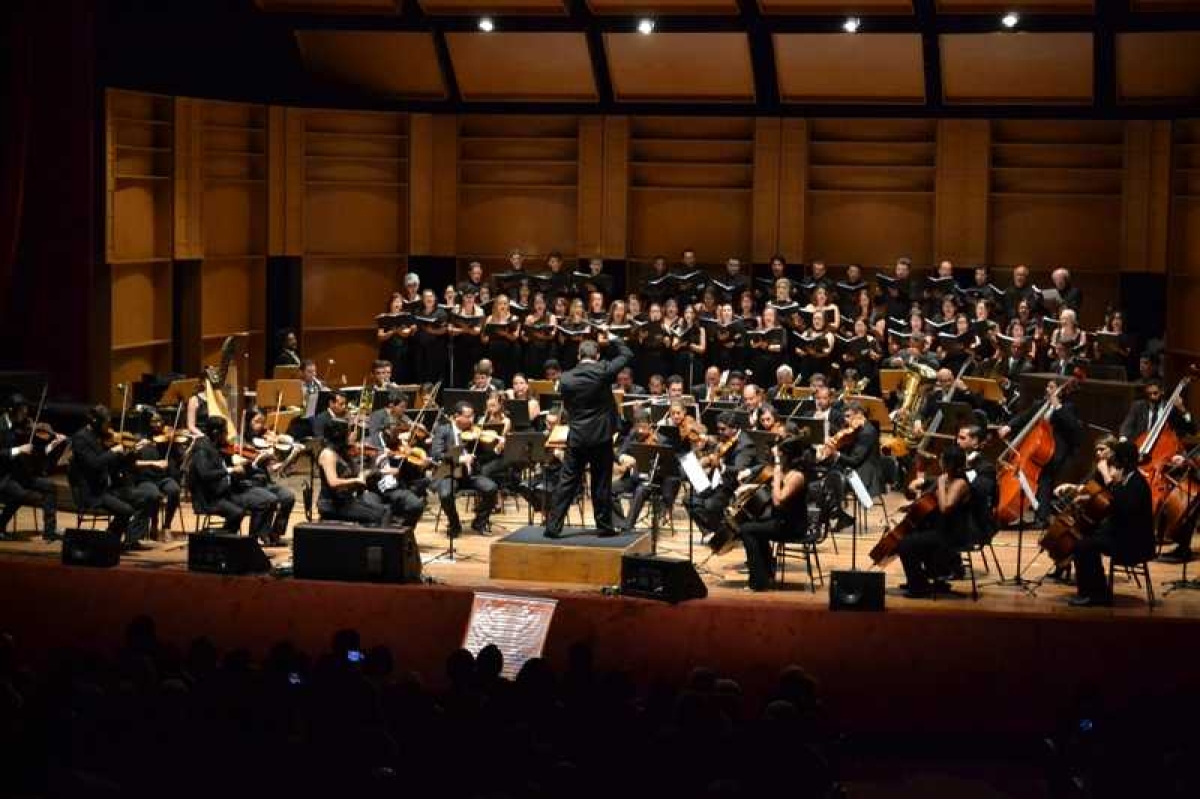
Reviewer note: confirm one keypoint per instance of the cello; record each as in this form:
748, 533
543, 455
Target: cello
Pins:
1028, 452
1160, 443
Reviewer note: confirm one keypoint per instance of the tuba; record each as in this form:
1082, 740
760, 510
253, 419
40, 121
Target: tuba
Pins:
918, 377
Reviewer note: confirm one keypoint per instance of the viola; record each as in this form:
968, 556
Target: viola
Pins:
1029, 452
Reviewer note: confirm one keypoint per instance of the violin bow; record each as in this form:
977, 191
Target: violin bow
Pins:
174, 428
38, 416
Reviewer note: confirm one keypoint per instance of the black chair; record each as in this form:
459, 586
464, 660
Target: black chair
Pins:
1138, 571
85, 514
824, 500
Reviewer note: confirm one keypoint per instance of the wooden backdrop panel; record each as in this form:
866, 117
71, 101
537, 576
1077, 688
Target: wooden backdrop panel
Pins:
355, 219
495, 219
715, 223
141, 219
871, 229
235, 221
1051, 231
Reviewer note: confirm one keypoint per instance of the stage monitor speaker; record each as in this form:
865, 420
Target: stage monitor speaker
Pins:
855, 590
226, 554
324, 551
665, 579
97, 548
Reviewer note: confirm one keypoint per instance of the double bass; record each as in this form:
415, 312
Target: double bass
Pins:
1028, 453
1158, 445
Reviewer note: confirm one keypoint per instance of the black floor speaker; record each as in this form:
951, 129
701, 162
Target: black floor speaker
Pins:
855, 590
226, 554
664, 579
97, 548
323, 551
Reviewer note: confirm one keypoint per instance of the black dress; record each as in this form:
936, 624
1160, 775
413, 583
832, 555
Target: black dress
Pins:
688, 364
504, 354
764, 362
431, 360
468, 348
540, 347
394, 350
725, 349
654, 357
568, 348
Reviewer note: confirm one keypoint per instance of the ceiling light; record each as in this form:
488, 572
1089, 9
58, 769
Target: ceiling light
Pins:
645, 26
1010, 19
851, 24
486, 25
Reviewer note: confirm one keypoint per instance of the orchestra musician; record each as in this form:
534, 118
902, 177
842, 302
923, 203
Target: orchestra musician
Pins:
932, 549
785, 385
625, 382
753, 398
20, 483
1127, 532
289, 349
1068, 433
153, 467
338, 409
381, 376
627, 479
710, 390
456, 444
592, 415
1143, 414
221, 485
946, 388
520, 392
734, 458
98, 478
482, 379
1102, 475
787, 515
343, 495
861, 455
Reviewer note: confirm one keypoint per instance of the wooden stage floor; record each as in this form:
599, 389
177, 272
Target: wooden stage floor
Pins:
725, 576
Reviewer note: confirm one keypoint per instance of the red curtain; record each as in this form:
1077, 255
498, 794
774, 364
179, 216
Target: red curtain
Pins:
14, 138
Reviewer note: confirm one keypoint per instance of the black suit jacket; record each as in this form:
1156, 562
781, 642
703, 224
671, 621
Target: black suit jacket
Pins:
863, 456
91, 465
1130, 522
586, 392
207, 477
985, 493
742, 455
1137, 421
932, 399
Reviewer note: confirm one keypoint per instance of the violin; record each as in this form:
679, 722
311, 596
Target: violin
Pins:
843, 437
479, 437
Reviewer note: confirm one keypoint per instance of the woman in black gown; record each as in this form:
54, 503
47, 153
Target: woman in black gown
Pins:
539, 337
653, 358
430, 358
502, 345
466, 327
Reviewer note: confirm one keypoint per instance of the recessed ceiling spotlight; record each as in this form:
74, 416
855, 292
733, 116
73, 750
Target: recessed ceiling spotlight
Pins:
645, 26
1010, 19
851, 24
486, 25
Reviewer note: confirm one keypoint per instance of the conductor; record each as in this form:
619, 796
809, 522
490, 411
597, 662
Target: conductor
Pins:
592, 415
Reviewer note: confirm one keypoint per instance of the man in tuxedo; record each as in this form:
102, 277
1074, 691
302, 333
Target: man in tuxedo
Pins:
985, 483
625, 383
224, 489
1145, 413
1127, 533
707, 507
946, 388
465, 473
1068, 435
97, 481
338, 408
861, 455
710, 389
587, 397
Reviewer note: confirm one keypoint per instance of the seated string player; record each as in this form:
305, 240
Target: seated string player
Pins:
220, 483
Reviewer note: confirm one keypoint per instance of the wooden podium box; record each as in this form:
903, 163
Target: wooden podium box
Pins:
578, 557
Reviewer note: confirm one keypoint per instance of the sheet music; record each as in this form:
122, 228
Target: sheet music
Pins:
860, 490
694, 472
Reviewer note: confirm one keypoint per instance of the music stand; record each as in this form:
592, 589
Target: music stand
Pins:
476, 399
891, 379
518, 412
985, 387
178, 392
763, 441
656, 462
286, 372
539, 387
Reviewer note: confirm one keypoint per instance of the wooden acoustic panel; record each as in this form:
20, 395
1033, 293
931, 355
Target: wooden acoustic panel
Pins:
522, 66
1056, 230
836, 6
1017, 67
493, 7
1185, 215
717, 224
663, 6
1159, 66
494, 219
389, 63
679, 67
835, 68
356, 219
141, 219
869, 228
